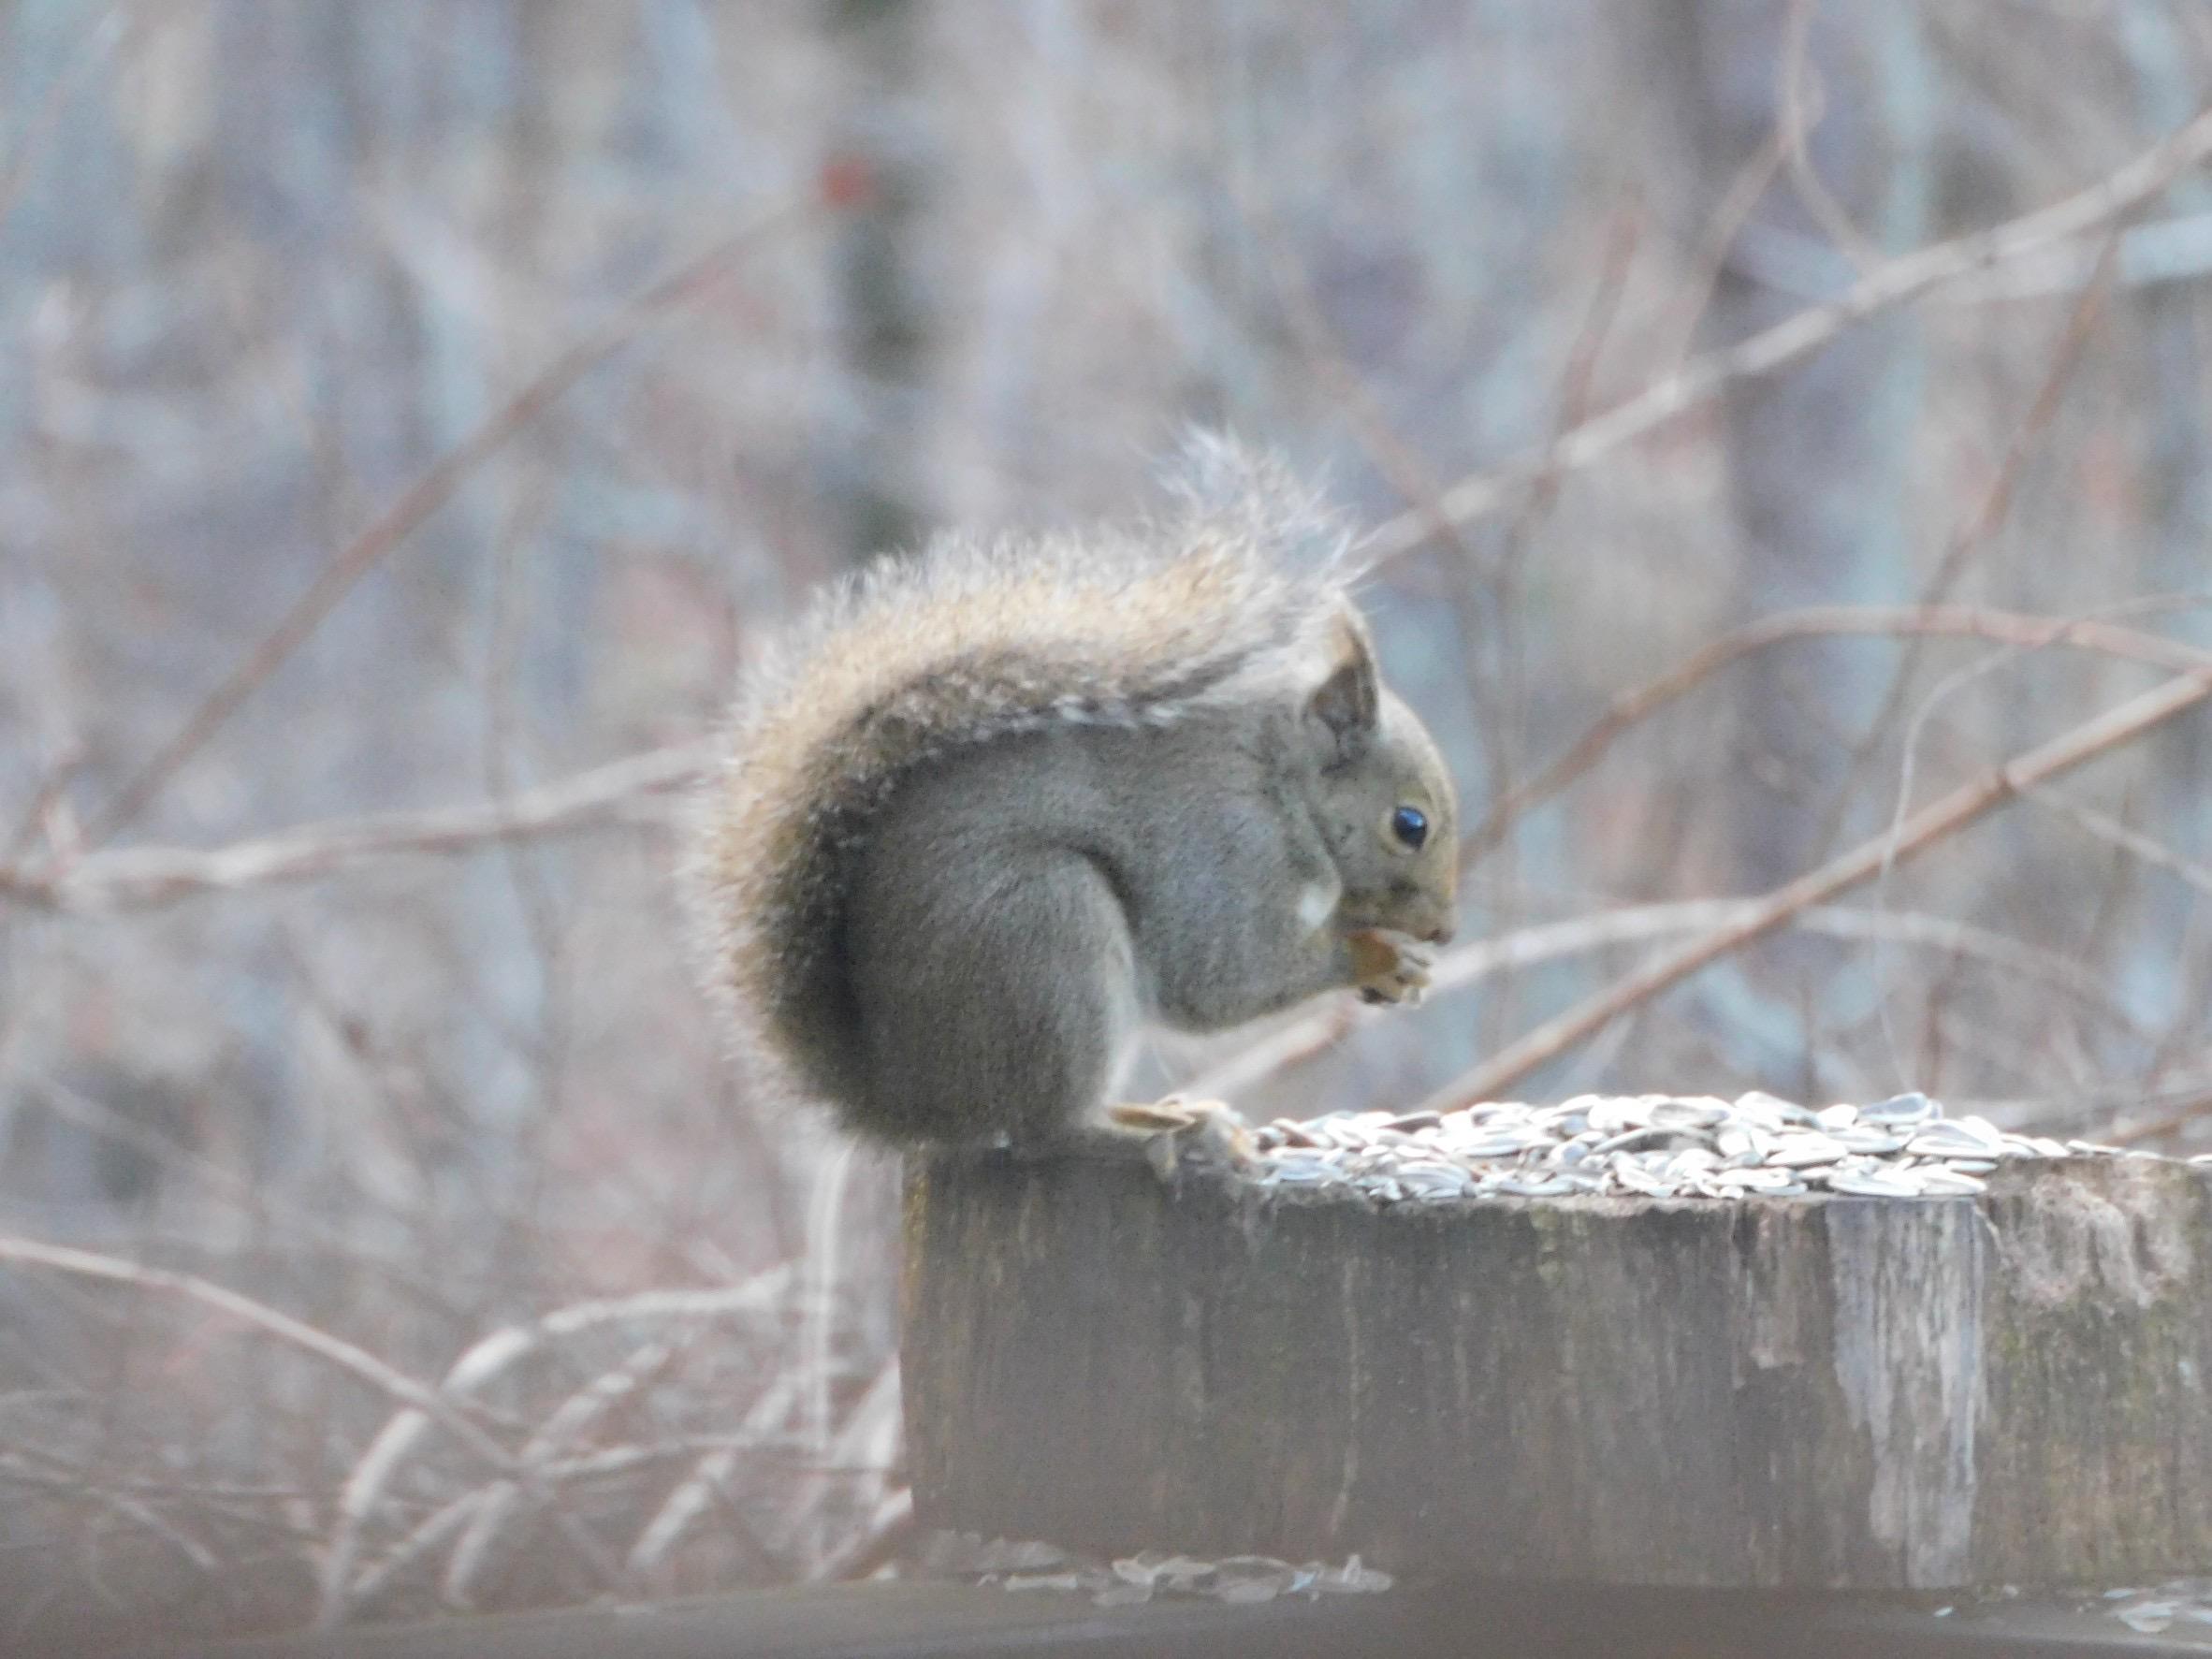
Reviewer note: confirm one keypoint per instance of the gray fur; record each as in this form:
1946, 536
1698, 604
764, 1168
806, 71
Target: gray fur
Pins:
948, 895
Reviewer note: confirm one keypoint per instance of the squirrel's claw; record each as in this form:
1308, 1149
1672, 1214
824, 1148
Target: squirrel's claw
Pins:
1390, 966
1175, 1130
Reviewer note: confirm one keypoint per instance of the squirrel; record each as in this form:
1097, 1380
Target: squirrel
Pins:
989, 811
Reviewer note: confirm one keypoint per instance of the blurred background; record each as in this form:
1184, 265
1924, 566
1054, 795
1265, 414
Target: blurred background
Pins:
414, 415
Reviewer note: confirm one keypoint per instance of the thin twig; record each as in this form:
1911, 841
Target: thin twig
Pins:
2175, 250
690, 1497
1386, 450
46, 814
487, 1358
1710, 258
1932, 824
868, 1446
499, 1503
2132, 842
884, 1536
1989, 664
817, 1298
412, 1394
1304, 1037
142, 878
1971, 537
74, 1484
432, 491
426, 1535
1507, 691
1639, 703
1309, 1035
2190, 1106
2118, 195
434, 1529
100, 42
1802, 109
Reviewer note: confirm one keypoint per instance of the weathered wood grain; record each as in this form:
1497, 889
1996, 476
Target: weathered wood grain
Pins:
1830, 1391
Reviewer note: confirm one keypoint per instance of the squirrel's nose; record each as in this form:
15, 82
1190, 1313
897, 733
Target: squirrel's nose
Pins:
1440, 934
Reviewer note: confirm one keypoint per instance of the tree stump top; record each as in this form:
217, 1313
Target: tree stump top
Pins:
1827, 1389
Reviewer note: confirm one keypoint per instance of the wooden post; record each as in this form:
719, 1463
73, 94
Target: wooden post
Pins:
1845, 1392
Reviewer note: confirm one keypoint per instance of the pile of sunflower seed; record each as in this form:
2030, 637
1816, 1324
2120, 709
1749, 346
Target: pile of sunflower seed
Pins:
2149, 1612
1633, 1145
1147, 1576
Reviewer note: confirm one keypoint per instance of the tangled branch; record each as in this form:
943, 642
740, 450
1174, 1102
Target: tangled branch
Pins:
2114, 198
1924, 829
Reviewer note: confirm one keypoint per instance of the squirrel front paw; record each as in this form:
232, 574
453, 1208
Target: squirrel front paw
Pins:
1389, 967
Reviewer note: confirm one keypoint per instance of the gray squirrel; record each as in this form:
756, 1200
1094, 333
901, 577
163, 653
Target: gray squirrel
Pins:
989, 811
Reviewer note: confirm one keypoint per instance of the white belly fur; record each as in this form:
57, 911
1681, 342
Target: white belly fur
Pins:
1316, 903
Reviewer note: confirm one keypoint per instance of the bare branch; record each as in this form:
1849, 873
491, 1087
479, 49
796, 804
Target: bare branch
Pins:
1301, 1039
487, 1358
432, 491
884, 1536
1970, 538
142, 878
2124, 191
102, 40
500, 1503
2175, 249
691, 1496
1803, 102
2132, 842
1925, 828
427, 1534
867, 1446
414, 1395
1639, 703
2179, 1107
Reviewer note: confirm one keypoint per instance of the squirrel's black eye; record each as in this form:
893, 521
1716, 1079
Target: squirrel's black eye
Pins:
1410, 825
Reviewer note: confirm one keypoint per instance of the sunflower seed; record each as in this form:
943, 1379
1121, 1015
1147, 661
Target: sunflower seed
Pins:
1903, 1109
1702, 1112
1872, 1185
1164, 1117
1866, 1138
1414, 1122
1797, 1151
1670, 1146
1753, 1180
1947, 1181
1549, 1187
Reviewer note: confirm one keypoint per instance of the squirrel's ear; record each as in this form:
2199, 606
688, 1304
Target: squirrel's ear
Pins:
1348, 703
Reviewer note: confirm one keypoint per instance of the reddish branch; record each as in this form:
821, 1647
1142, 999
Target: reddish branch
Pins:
1924, 829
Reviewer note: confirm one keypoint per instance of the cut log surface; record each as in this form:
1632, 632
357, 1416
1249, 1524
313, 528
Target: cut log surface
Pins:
1824, 1390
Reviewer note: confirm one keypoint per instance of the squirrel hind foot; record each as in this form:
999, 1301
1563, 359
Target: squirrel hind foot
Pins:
1174, 1132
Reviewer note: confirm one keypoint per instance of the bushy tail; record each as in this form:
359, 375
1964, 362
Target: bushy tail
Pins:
1141, 624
